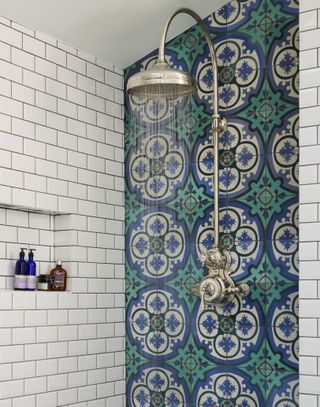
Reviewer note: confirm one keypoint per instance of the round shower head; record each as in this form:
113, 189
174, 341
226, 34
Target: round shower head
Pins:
161, 81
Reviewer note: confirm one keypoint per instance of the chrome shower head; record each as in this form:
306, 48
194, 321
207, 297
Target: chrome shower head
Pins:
161, 80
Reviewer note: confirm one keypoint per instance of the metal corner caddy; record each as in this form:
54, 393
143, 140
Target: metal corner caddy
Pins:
163, 81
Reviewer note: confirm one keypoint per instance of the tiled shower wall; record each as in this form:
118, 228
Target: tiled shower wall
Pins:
240, 355
61, 152
309, 207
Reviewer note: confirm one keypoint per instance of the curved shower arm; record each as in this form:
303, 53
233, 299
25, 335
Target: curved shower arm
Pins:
218, 124
161, 57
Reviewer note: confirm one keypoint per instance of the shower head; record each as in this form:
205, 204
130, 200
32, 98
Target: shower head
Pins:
161, 80
164, 81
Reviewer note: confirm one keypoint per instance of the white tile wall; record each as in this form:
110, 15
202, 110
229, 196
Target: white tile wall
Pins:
61, 149
309, 203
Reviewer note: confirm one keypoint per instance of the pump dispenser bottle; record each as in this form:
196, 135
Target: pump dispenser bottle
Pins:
20, 277
31, 272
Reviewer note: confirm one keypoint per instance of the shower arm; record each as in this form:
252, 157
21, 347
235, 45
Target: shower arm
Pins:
218, 124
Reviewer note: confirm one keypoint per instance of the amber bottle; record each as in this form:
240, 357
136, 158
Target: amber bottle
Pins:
59, 278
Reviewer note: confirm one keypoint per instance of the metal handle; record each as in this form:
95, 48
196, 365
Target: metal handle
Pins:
202, 302
217, 287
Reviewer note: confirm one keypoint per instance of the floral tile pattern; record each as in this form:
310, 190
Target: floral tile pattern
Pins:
243, 355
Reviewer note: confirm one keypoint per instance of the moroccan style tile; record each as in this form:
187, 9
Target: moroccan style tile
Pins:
231, 387
267, 197
283, 227
285, 261
156, 385
244, 353
157, 323
286, 392
284, 339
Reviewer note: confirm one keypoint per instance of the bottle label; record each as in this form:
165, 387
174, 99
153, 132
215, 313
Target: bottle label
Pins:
20, 282
59, 279
31, 282
43, 286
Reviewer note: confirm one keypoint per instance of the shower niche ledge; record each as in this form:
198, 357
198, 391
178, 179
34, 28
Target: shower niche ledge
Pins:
47, 231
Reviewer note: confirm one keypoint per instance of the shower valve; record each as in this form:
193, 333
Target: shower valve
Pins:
218, 288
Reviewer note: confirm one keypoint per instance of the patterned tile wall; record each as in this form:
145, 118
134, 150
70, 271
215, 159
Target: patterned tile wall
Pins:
242, 355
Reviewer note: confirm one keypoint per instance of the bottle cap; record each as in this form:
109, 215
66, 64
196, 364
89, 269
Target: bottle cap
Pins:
31, 254
59, 263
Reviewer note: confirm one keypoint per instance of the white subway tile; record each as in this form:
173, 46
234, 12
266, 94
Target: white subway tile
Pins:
24, 369
12, 388
76, 127
10, 36
11, 178
66, 365
67, 76
34, 148
67, 205
105, 91
23, 93
67, 108
34, 114
308, 97
114, 79
46, 367
57, 349
5, 122
46, 101
87, 177
308, 20
56, 88
308, 59
21, 336
77, 379
76, 96
310, 39
11, 354
33, 46
87, 393
96, 164
67, 172
76, 64
23, 59
5, 51
23, 163
86, 84
308, 136
56, 121
95, 72
47, 399
24, 198
310, 384
87, 115
95, 103
105, 121
11, 107
46, 68
35, 385
46, 168
67, 396
56, 55
33, 80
